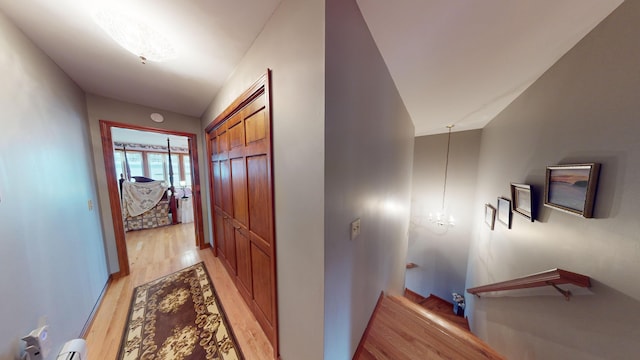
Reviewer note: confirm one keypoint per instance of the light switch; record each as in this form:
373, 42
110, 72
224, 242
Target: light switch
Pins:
355, 228
90, 205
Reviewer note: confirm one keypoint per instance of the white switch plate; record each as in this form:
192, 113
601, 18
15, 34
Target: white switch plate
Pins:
355, 228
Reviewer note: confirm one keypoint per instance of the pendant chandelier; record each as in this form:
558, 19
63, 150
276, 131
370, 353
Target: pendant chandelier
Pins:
441, 219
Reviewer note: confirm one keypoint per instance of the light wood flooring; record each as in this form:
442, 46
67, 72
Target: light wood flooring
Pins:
153, 254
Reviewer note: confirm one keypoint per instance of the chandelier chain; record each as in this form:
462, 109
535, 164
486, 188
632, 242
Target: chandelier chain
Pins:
446, 166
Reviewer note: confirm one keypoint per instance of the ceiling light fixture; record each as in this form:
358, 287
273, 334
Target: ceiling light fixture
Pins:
441, 219
138, 38
156, 117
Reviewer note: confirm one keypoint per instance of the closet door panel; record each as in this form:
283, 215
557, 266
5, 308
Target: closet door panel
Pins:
213, 144
230, 245
256, 127
259, 204
239, 186
243, 256
236, 132
225, 180
219, 233
217, 184
262, 285
223, 140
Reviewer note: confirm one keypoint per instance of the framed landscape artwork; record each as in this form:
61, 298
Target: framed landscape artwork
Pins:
489, 216
504, 212
572, 188
522, 200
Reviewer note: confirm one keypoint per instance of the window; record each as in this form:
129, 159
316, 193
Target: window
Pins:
118, 160
186, 165
175, 163
154, 165
135, 163
158, 164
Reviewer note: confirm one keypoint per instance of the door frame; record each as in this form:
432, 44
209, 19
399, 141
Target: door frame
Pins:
114, 194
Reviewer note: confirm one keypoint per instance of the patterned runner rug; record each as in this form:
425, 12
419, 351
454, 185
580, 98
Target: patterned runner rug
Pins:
178, 317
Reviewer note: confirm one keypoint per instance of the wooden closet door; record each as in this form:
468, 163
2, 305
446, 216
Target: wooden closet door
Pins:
240, 150
258, 159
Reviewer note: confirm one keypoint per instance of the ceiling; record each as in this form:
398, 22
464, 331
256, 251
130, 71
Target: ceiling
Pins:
209, 36
462, 62
453, 61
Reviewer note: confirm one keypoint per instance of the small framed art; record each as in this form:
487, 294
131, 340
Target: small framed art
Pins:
489, 215
572, 188
522, 200
504, 212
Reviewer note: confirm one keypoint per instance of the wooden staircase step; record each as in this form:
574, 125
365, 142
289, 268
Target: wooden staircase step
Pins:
400, 329
439, 305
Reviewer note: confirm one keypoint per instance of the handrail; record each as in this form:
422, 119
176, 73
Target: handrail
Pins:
553, 277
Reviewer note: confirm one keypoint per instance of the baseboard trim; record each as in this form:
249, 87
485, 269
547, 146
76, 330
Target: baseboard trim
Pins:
360, 347
96, 307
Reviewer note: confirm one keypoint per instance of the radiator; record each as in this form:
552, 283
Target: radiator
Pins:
75, 349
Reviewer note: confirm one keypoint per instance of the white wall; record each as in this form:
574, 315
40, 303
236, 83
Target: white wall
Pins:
101, 108
440, 253
584, 109
292, 45
52, 261
368, 158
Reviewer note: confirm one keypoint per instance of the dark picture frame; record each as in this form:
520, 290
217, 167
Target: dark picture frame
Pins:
572, 188
489, 215
503, 213
522, 200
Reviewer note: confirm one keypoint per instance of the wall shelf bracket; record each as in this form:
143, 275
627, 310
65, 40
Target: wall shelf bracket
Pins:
566, 293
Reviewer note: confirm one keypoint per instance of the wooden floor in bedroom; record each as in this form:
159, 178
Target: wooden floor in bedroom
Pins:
153, 254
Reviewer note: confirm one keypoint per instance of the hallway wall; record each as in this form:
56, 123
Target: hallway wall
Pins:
369, 139
52, 262
292, 46
583, 109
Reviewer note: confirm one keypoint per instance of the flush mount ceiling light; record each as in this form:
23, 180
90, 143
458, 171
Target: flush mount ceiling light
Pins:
157, 117
138, 38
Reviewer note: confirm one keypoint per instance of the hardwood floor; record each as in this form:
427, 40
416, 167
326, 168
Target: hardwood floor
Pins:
153, 254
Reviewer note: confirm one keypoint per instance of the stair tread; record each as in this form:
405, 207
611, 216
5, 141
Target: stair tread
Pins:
439, 305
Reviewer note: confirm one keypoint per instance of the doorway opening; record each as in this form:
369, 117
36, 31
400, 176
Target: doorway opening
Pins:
186, 170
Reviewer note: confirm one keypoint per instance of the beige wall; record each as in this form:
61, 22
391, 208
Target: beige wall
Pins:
368, 157
441, 254
292, 45
584, 109
52, 262
101, 108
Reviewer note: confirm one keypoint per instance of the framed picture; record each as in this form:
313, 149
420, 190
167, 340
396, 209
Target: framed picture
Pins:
489, 215
572, 188
522, 200
504, 212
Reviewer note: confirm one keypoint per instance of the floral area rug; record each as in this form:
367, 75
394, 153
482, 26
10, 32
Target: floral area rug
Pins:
178, 317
